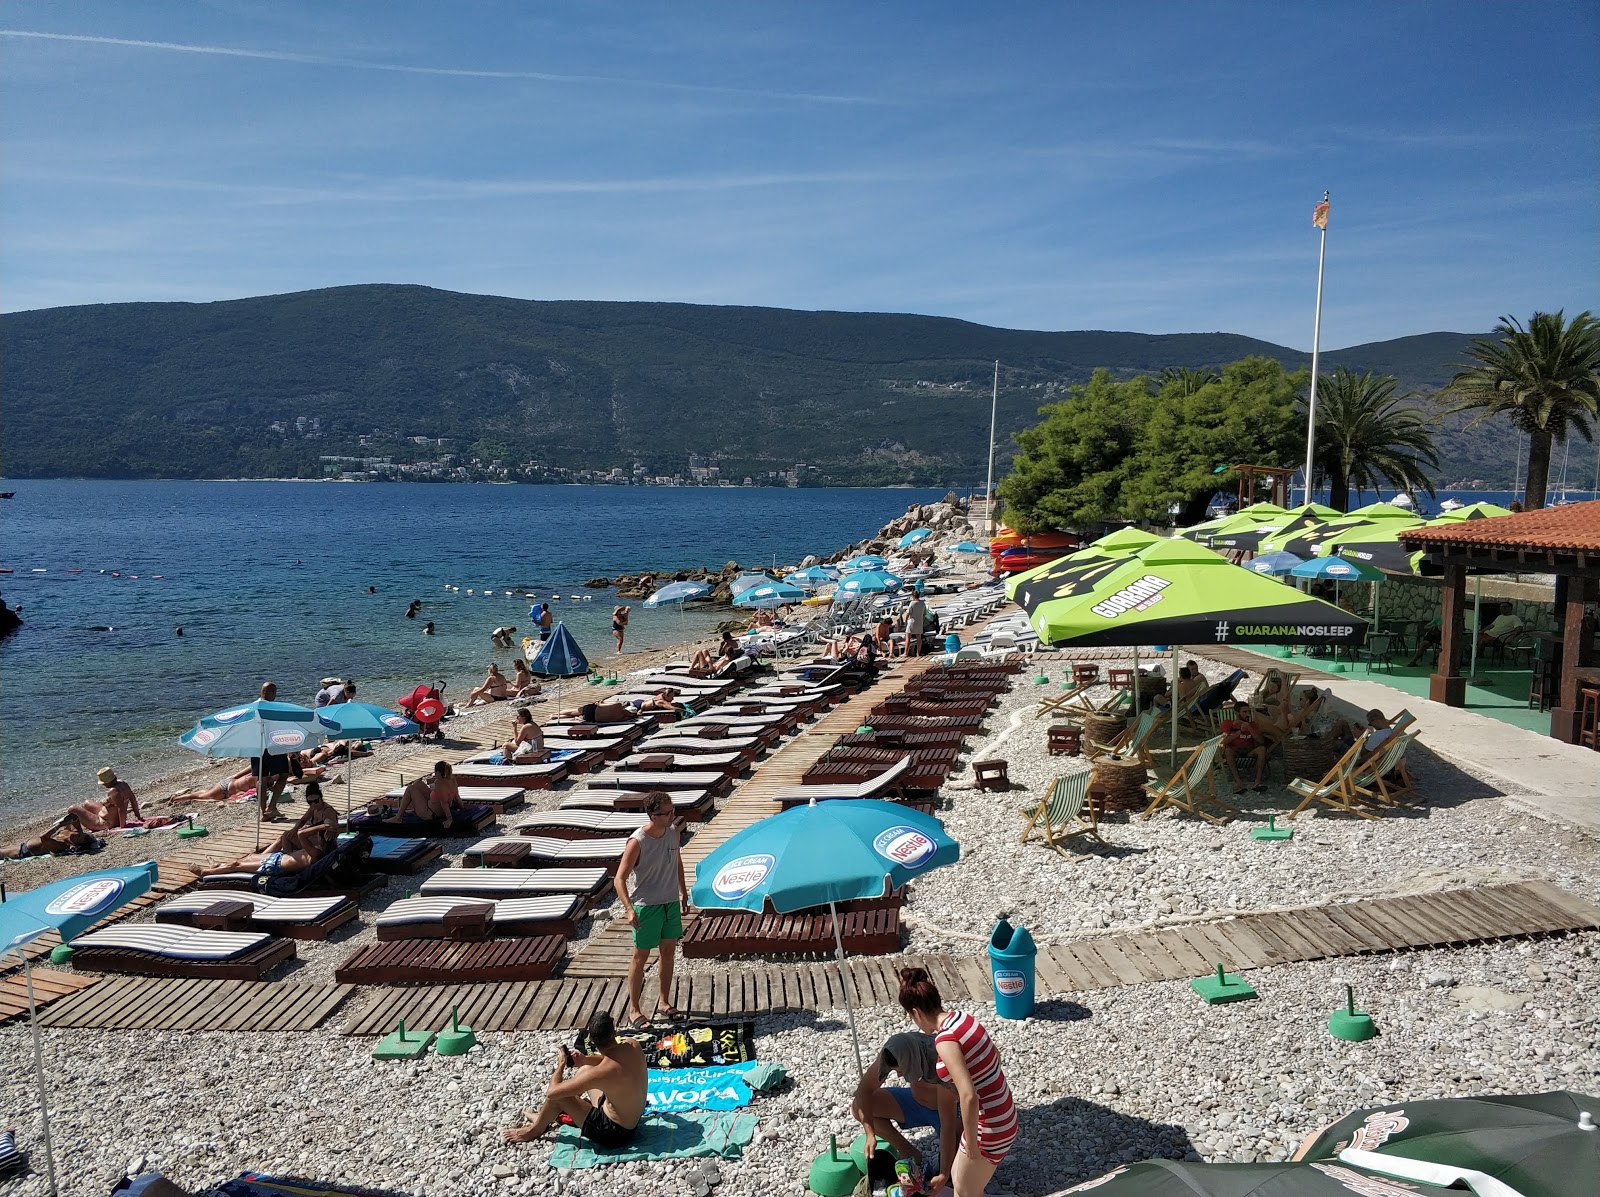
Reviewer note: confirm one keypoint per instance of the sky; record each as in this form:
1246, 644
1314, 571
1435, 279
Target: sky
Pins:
1143, 166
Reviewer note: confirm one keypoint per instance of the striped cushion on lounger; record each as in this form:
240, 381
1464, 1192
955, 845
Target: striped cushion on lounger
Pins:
268, 909
174, 942
518, 882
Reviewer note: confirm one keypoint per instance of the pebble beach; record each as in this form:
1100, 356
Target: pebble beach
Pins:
1102, 1078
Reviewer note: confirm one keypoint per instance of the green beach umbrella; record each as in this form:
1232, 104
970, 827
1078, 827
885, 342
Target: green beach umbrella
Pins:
1538, 1144
1176, 592
1256, 513
1474, 511
1067, 575
1377, 545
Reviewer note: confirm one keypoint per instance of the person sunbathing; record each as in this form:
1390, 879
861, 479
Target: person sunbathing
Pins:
495, 688
113, 810
1312, 713
526, 745
433, 797
65, 837
241, 782
523, 683
604, 1096
333, 750
662, 700
272, 861
602, 712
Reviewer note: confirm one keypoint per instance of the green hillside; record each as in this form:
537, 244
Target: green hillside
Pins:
268, 386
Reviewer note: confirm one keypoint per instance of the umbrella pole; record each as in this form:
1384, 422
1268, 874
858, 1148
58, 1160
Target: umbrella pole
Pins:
261, 797
1477, 627
38, 1072
1172, 706
844, 984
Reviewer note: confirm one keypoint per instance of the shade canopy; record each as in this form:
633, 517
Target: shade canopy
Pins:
968, 546
366, 721
677, 592
1178, 592
1473, 511
868, 581
1336, 569
559, 656
865, 561
257, 729
1078, 572
772, 594
70, 906
812, 576
749, 580
1274, 565
914, 536
1377, 545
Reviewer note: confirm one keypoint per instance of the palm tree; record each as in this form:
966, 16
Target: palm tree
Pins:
1189, 381
1367, 435
1546, 378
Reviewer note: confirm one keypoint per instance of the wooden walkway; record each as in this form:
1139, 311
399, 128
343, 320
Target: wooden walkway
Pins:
1177, 953
121, 1003
170, 879
49, 985
607, 952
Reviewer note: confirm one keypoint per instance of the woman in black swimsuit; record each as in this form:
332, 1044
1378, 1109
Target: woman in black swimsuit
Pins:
619, 624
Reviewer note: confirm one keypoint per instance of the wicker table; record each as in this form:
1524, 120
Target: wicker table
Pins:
1309, 757
1121, 781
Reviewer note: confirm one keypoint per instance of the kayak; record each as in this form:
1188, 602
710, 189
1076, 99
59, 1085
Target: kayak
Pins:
1011, 538
1013, 560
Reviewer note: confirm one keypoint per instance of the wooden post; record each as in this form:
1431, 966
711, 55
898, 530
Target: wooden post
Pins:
1447, 685
1571, 594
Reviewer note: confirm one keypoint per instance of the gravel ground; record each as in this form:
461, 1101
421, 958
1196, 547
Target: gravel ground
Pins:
1103, 1078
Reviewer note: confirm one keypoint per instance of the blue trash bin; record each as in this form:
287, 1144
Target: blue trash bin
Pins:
952, 643
1011, 957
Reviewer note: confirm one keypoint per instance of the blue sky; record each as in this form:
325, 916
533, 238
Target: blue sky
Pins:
1141, 166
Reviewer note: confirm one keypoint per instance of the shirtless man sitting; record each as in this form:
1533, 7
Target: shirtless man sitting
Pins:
604, 1096
67, 835
433, 797
113, 810
309, 840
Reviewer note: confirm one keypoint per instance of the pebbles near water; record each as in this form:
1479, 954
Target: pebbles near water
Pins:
1102, 1077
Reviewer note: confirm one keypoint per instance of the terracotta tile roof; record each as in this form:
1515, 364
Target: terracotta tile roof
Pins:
1575, 527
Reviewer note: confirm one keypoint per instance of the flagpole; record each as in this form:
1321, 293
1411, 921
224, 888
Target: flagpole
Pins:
988, 487
1320, 219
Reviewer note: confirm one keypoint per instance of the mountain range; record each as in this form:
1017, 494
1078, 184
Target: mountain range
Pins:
270, 386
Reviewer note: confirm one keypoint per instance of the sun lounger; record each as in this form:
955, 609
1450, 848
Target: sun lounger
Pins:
870, 931
650, 759
686, 804
1191, 786
870, 788
1063, 814
589, 884
538, 852
629, 732
498, 799
627, 779
766, 731
245, 910
164, 950
529, 777
467, 821
469, 919
583, 824
610, 747
749, 746
398, 857
423, 961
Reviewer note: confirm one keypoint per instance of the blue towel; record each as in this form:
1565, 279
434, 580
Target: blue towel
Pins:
673, 1090
722, 1133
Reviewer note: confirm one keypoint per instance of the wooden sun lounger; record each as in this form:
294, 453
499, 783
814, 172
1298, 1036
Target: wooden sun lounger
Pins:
590, 884
468, 821
629, 732
357, 889
651, 760
873, 931
870, 788
245, 910
748, 746
686, 804
731, 727
634, 779
529, 777
164, 950
610, 747
498, 799
466, 920
539, 852
580, 824
400, 857
433, 961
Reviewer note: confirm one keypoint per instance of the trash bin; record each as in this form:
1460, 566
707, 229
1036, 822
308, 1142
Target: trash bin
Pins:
1011, 955
952, 644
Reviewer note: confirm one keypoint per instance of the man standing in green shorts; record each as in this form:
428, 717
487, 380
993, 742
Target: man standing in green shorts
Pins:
654, 895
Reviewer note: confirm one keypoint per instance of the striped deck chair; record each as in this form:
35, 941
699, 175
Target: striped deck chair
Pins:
1384, 780
1063, 814
1333, 790
1192, 785
1133, 744
1072, 700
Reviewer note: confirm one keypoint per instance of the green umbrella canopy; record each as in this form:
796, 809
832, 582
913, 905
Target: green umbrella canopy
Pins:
1475, 511
1076, 572
1384, 511
1177, 592
1180, 1178
1533, 1142
1377, 545
1245, 517
1303, 541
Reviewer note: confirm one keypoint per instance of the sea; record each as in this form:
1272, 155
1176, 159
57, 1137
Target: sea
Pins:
294, 582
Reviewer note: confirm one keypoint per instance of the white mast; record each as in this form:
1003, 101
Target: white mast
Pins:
1319, 219
988, 488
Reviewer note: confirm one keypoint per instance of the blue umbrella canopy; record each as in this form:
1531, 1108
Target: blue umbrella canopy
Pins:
256, 729
677, 592
812, 576
773, 594
824, 852
1274, 565
865, 561
868, 581
968, 546
366, 721
1336, 569
915, 535
749, 580
559, 656
71, 905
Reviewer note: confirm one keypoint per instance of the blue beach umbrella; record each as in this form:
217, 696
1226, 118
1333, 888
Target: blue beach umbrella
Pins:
749, 580
968, 546
865, 561
364, 721
68, 907
677, 592
559, 657
913, 536
773, 594
824, 852
868, 581
1274, 565
1336, 569
257, 729
812, 576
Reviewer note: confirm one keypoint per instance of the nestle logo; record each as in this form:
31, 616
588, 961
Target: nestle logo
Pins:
91, 897
904, 846
738, 877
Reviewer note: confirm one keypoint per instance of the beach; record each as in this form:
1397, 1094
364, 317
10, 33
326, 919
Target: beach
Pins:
1102, 1076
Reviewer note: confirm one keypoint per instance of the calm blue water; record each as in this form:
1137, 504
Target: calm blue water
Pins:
269, 580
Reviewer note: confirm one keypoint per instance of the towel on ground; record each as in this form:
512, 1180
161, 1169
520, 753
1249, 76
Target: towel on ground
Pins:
722, 1133
673, 1090
695, 1045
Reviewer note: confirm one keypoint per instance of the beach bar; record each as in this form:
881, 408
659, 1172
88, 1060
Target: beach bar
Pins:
1561, 541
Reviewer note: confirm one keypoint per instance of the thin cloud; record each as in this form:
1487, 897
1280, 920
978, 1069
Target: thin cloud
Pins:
446, 72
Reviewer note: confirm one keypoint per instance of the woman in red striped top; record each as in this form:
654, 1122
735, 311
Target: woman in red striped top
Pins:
968, 1060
